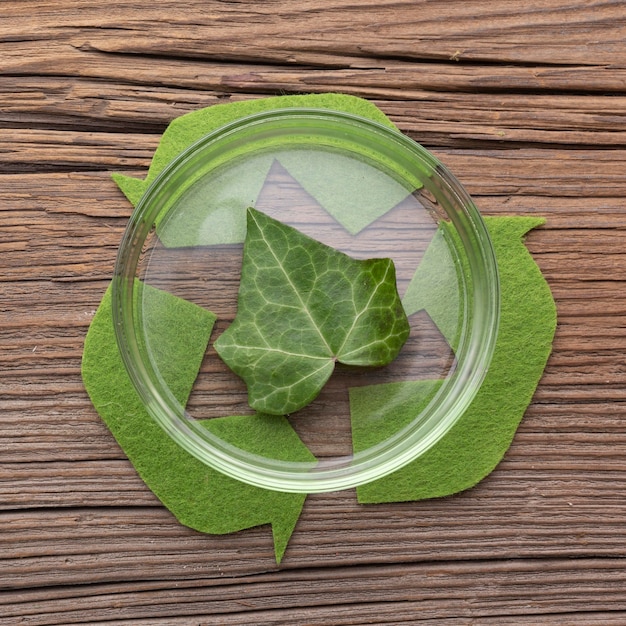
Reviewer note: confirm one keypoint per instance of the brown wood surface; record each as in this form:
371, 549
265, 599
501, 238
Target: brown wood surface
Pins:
524, 101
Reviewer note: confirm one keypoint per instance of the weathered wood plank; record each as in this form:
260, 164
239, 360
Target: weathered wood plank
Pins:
35, 150
544, 172
395, 613
381, 595
328, 32
128, 543
545, 469
434, 118
374, 614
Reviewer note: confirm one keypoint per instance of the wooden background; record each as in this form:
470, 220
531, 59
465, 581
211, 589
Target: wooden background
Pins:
524, 101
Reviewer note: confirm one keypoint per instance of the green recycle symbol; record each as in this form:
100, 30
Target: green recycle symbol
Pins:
210, 502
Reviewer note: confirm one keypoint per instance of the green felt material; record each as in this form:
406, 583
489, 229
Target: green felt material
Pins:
198, 496
377, 410
436, 287
477, 442
214, 210
354, 193
210, 502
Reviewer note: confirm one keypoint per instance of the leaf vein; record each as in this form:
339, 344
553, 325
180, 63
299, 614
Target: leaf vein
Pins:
291, 284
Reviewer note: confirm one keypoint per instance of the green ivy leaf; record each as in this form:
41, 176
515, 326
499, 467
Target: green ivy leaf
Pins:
302, 307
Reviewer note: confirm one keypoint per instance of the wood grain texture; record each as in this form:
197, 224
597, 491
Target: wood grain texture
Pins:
525, 103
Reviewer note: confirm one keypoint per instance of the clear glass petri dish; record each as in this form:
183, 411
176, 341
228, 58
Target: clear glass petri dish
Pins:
360, 187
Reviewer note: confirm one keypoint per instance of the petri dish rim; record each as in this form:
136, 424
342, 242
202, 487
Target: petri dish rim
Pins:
407, 159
